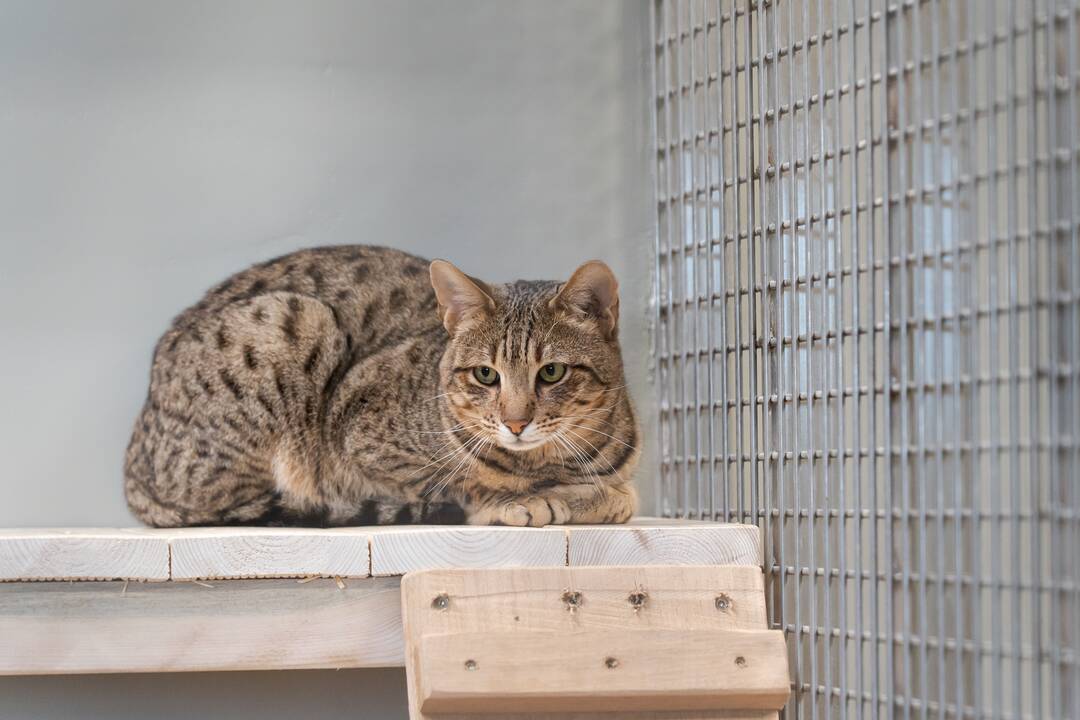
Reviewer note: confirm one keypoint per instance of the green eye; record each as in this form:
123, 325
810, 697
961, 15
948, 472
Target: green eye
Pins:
485, 375
552, 372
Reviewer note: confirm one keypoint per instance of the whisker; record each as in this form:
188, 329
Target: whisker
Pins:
612, 389
598, 432
581, 458
466, 453
451, 431
598, 453
440, 395
451, 454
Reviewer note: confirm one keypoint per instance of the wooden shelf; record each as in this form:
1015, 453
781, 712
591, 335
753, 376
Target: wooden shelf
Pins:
99, 601
241, 553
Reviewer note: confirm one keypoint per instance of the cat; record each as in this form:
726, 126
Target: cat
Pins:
360, 385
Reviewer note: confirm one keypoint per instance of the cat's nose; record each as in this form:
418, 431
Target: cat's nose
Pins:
516, 426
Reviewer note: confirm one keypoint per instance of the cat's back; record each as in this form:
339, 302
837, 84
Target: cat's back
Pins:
256, 366
372, 290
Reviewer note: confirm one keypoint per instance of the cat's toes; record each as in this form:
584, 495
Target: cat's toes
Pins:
514, 514
556, 511
518, 515
530, 512
544, 511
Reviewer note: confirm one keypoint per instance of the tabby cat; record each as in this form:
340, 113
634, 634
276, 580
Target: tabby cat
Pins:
360, 385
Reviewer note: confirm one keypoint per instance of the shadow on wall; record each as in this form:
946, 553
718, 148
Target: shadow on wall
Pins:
324, 694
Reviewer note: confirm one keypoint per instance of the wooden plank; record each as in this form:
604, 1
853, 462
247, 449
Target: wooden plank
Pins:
648, 542
203, 553
675, 598
57, 628
623, 599
611, 670
90, 554
398, 550
677, 715
208, 553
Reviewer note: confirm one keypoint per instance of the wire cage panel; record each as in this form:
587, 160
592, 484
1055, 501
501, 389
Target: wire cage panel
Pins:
867, 288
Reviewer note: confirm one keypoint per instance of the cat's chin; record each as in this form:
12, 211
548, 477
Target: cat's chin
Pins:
519, 445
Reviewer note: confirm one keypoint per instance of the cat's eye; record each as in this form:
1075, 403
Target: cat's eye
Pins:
485, 375
552, 372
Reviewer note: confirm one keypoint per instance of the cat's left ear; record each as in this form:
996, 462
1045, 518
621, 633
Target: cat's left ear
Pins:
592, 291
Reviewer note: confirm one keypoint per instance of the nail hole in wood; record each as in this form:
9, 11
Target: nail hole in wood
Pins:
611, 663
740, 661
572, 599
637, 599
471, 665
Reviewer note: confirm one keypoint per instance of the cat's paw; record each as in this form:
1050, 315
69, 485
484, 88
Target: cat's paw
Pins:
526, 512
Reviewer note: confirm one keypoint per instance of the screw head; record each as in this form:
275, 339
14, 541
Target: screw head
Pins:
572, 599
723, 602
637, 599
740, 661
611, 663
441, 601
471, 665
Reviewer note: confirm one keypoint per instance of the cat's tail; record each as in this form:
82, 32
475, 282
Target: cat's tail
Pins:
370, 512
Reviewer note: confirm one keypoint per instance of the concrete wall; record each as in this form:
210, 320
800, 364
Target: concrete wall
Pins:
148, 149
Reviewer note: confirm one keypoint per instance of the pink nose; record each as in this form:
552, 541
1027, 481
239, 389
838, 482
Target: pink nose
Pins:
516, 426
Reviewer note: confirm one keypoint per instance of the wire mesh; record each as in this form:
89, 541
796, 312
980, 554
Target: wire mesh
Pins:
867, 288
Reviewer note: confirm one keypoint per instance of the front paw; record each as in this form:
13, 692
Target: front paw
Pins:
525, 512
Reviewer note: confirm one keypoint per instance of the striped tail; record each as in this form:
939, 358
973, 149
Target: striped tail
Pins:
370, 512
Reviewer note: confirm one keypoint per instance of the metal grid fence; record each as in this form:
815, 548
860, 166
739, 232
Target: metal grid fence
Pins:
868, 335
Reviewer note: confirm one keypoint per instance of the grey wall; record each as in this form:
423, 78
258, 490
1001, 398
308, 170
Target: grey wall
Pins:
147, 149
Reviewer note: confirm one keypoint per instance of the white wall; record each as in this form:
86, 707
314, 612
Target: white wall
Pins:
147, 149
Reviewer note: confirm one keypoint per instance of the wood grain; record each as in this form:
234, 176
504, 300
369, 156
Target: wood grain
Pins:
396, 551
610, 670
207, 553
646, 542
57, 628
612, 600
91, 554
675, 715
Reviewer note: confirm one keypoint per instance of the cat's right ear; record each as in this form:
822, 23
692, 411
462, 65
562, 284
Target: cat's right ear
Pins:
459, 295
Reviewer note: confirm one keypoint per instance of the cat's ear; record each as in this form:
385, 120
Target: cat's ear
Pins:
592, 291
459, 295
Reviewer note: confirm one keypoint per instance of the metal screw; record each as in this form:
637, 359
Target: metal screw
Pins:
740, 661
573, 600
441, 601
723, 603
637, 599
611, 663
471, 665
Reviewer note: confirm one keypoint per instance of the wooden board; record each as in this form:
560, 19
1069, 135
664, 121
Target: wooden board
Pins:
562, 602
109, 627
602, 671
648, 542
675, 715
398, 550
199, 553
83, 555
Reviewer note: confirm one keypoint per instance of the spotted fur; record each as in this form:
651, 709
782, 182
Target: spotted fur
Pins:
335, 386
